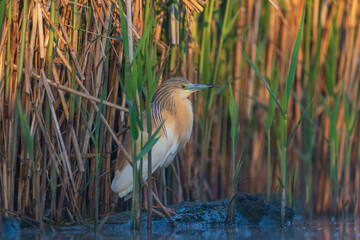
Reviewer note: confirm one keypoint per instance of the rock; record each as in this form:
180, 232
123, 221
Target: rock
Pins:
250, 207
273, 212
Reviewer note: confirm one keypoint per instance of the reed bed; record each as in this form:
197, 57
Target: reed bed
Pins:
75, 74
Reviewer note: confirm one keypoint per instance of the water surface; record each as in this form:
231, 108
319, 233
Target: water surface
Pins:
321, 228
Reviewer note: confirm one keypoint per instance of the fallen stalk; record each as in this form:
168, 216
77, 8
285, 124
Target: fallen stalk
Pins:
84, 95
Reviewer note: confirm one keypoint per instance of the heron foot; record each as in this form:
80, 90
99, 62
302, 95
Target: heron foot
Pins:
170, 210
155, 211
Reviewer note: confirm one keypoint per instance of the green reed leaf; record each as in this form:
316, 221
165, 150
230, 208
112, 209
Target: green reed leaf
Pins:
29, 142
298, 124
2, 13
153, 139
291, 75
264, 82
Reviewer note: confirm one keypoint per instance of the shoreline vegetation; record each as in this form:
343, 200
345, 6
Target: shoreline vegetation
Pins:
76, 75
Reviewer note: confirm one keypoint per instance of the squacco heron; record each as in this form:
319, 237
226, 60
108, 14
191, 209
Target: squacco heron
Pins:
170, 105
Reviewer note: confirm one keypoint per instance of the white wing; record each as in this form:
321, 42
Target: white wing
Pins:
123, 181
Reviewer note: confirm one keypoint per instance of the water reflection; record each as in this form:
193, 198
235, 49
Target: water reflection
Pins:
317, 229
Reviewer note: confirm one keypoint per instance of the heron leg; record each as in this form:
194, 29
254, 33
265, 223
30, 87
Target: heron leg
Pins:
145, 204
170, 210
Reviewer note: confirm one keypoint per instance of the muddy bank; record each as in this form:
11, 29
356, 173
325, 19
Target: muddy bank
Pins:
197, 219
249, 209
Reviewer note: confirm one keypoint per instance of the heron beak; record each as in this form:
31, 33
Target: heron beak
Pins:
198, 87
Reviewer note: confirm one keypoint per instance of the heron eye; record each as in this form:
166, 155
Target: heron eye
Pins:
183, 86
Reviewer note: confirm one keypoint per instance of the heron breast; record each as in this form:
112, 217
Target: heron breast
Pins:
170, 147
178, 127
184, 122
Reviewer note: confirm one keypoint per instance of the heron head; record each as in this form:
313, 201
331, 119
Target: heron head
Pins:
183, 87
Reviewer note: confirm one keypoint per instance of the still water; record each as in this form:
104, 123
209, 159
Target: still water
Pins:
300, 229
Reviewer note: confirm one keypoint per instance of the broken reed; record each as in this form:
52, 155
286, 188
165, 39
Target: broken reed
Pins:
73, 181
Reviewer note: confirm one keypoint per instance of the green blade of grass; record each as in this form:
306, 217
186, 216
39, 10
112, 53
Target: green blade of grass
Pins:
130, 87
291, 75
134, 79
349, 116
150, 143
86, 124
264, 82
229, 27
233, 115
124, 29
8, 53
2, 13
237, 169
333, 117
144, 37
298, 124
271, 108
346, 113
331, 62
29, 142
133, 111
23, 38
133, 120
149, 74
280, 181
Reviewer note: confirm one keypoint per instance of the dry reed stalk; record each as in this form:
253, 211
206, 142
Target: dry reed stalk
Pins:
195, 5
41, 29
66, 2
111, 117
87, 96
31, 49
129, 24
73, 135
92, 184
136, 13
66, 160
252, 40
189, 146
315, 23
214, 162
63, 58
327, 23
178, 175
238, 55
21, 168
117, 23
173, 25
159, 21
252, 54
2, 82
3, 46
356, 52
357, 175
164, 49
72, 51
